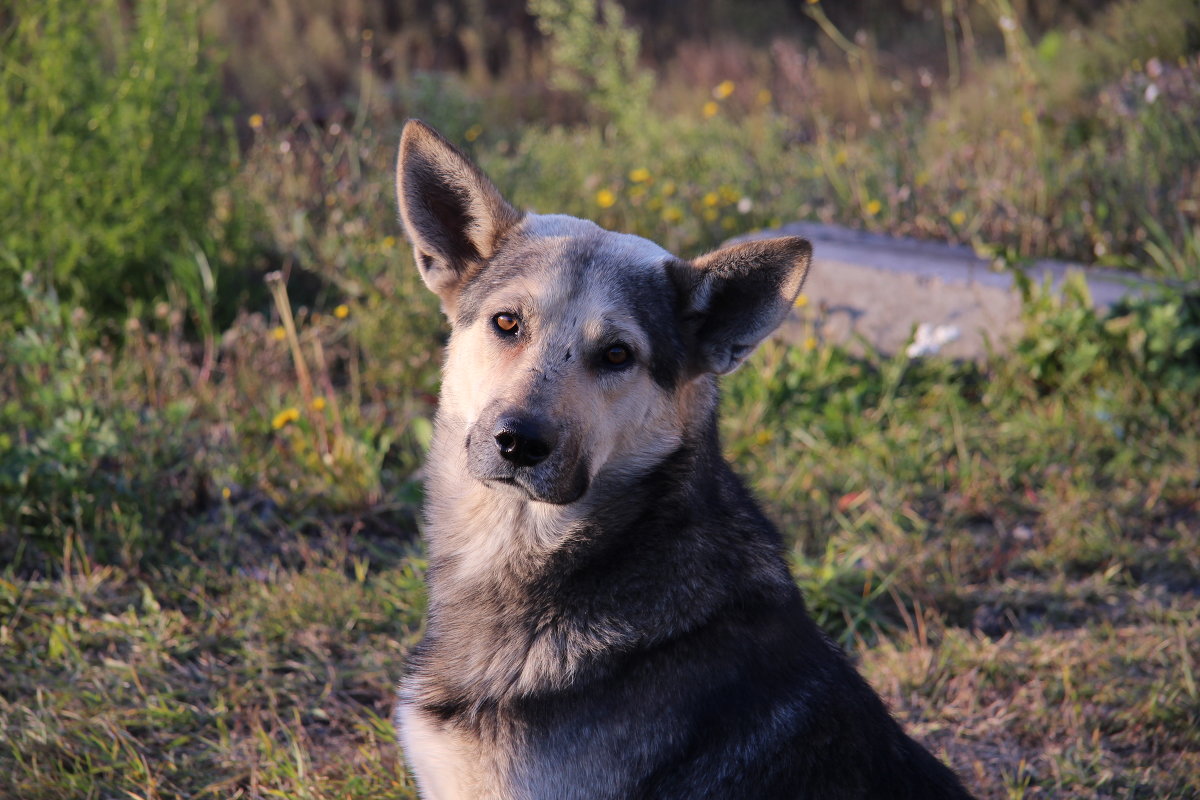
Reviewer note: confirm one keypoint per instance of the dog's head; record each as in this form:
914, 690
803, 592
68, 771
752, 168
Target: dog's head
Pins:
577, 355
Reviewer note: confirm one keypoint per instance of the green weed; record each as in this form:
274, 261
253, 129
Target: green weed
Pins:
113, 152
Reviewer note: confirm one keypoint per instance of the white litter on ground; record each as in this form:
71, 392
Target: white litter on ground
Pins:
931, 338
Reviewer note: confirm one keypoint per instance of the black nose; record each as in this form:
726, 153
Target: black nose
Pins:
523, 441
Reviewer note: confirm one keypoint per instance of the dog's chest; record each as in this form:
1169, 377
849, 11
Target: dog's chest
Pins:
553, 764
449, 765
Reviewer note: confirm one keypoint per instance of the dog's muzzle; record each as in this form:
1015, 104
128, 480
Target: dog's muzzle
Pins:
528, 454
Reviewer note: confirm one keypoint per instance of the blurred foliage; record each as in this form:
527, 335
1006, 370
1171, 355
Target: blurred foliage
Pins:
328, 414
1068, 344
594, 53
113, 150
83, 475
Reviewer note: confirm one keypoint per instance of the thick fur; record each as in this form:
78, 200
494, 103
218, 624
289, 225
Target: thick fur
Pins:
616, 620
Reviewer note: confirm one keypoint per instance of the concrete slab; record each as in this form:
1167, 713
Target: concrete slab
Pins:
882, 287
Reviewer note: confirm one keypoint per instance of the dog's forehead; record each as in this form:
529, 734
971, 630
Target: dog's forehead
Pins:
580, 258
558, 260
623, 249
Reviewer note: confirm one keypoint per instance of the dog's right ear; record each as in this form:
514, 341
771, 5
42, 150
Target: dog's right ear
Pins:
452, 213
733, 298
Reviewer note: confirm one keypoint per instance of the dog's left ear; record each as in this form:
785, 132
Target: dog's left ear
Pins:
735, 297
452, 213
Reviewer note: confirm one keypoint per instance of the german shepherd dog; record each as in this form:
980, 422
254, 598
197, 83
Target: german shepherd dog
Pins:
610, 612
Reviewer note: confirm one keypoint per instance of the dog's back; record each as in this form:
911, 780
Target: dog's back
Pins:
611, 615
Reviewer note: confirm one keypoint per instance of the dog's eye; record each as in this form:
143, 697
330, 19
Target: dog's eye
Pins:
617, 355
508, 324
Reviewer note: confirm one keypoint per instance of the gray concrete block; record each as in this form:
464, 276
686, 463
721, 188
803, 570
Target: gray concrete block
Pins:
881, 288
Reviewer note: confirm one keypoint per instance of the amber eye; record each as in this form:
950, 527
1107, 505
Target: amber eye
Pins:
616, 355
507, 323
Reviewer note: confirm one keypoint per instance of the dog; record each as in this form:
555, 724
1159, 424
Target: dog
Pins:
610, 612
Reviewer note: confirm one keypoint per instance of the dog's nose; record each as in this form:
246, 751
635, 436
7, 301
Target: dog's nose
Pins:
523, 441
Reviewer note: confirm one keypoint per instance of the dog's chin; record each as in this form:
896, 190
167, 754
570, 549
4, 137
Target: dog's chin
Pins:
520, 488
526, 490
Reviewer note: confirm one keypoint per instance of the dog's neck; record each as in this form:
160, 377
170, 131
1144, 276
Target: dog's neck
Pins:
511, 574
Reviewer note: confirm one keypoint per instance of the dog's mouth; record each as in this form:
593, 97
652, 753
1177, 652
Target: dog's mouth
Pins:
529, 488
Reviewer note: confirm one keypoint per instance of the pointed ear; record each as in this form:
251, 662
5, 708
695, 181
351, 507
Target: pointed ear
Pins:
453, 215
734, 298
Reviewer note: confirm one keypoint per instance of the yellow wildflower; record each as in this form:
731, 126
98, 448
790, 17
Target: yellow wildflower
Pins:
922, 178
710, 215
801, 301
318, 404
672, 214
723, 90
1027, 117
764, 97
473, 133
278, 333
841, 157
873, 208
764, 437
285, 417
389, 242
668, 188
958, 218
712, 199
710, 109
225, 493
810, 343
256, 121
639, 175
341, 311
605, 198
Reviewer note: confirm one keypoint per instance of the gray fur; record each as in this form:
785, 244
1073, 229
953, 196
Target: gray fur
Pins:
616, 618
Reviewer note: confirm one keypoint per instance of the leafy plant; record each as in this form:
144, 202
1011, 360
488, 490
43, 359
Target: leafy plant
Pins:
1066, 341
63, 449
596, 55
111, 155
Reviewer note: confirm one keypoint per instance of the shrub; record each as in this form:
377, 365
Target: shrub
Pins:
110, 158
596, 54
1066, 342
84, 475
